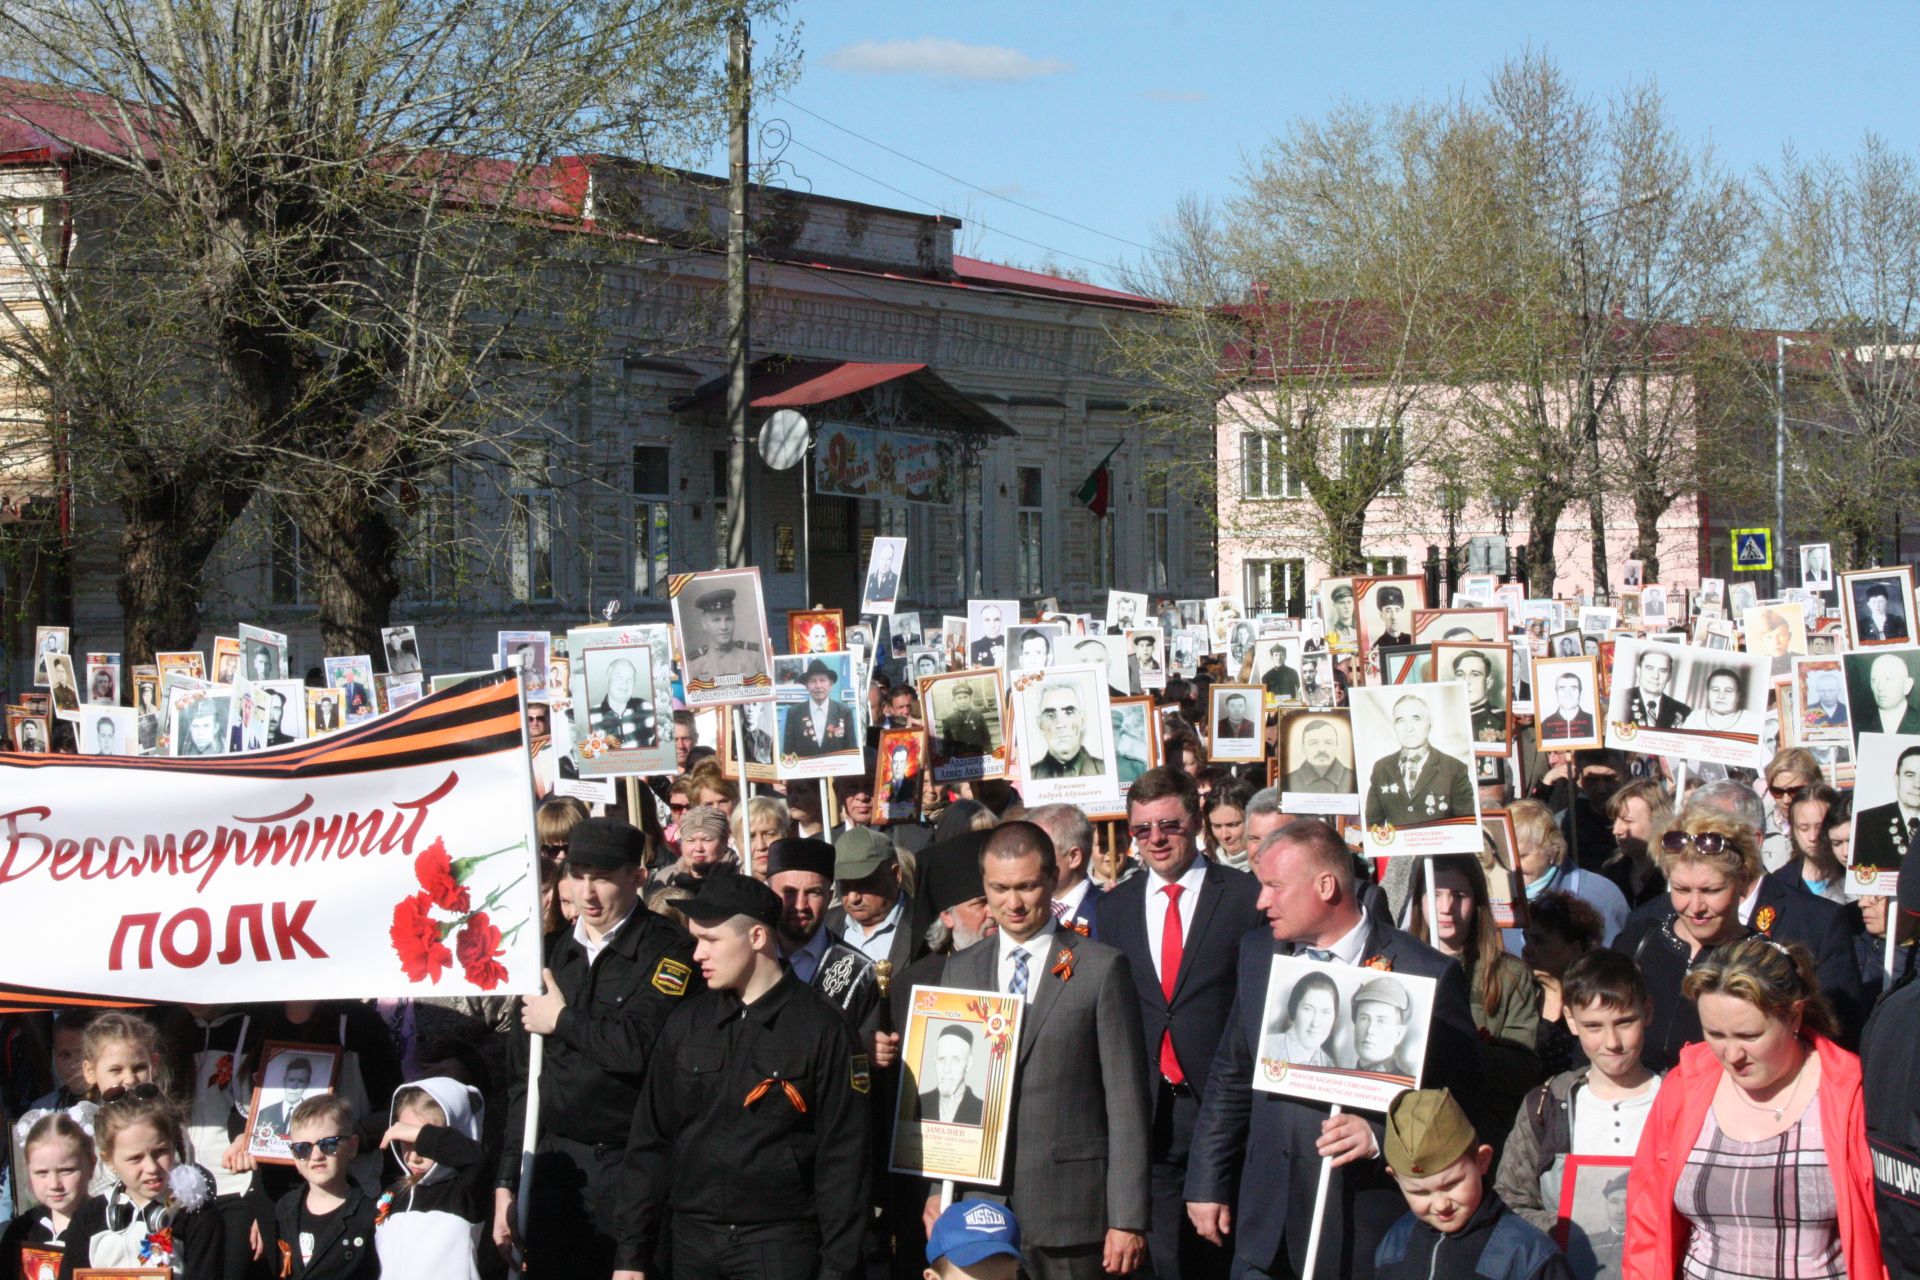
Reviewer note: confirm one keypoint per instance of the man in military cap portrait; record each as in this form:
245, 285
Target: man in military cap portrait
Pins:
1281, 681
1382, 1013
821, 725
1419, 783
1340, 615
963, 730
1392, 605
1475, 670
723, 659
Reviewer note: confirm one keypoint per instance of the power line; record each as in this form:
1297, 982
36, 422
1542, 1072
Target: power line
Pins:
1021, 204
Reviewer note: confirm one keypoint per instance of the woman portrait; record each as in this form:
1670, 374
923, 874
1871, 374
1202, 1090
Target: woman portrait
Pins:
1305, 1036
1724, 707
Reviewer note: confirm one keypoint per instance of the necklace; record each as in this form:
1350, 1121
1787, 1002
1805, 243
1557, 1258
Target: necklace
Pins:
1778, 1113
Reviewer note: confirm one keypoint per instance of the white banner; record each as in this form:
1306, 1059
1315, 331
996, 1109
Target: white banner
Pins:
394, 859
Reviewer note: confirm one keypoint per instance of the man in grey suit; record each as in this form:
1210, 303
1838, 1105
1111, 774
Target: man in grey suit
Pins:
1077, 1173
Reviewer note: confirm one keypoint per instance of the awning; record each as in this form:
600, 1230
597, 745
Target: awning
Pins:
779, 382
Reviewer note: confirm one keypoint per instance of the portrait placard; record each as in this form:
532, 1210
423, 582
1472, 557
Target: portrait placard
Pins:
109, 731
1276, 668
1877, 606
1413, 745
1351, 1035
1235, 723
527, 650
1688, 703
955, 1106
1568, 690
1880, 688
1126, 610
1147, 649
953, 642
1816, 566
987, 622
63, 687
755, 760
1106, 651
1137, 746
882, 589
288, 1074
263, 653
123, 1273
1820, 698
402, 647
186, 662
103, 680
326, 712
721, 619
900, 765
1777, 631
1486, 670
1221, 613
29, 732
1339, 616
1500, 864
353, 677
1886, 804
965, 738
1387, 606
816, 631
1064, 731
622, 688
1486, 625
821, 730
201, 723
1035, 646
1316, 762
1592, 1230
44, 1264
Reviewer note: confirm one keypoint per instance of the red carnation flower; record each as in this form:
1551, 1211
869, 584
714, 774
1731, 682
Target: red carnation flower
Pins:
478, 945
434, 870
416, 939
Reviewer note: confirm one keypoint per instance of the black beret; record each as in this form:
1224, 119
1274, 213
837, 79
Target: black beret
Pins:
800, 853
606, 843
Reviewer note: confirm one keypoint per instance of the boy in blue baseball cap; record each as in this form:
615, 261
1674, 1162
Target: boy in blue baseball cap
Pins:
974, 1240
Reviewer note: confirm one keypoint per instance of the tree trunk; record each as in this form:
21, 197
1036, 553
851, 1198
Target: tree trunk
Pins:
1647, 511
169, 532
353, 548
1346, 540
1543, 526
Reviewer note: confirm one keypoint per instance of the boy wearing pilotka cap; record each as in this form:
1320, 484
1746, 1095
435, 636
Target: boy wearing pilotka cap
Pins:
1457, 1224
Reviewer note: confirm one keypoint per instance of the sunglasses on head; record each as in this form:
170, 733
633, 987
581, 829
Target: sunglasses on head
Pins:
326, 1147
141, 1092
1710, 843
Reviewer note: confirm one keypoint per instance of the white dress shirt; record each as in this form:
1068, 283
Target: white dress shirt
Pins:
1039, 949
879, 943
1349, 949
1069, 902
1190, 882
592, 948
817, 711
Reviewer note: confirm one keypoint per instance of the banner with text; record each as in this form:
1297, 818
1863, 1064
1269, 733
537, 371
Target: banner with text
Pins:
393, 859
857, 462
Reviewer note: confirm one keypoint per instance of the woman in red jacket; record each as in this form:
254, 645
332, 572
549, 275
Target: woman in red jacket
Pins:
1754, 1160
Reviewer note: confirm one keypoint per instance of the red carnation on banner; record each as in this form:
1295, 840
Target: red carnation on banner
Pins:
435, 871
416, 939
477, 945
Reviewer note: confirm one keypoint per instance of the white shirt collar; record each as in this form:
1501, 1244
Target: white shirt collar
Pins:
1349, 948
592, 948
1190, 880
1036, 949
1746, 903
1070, 900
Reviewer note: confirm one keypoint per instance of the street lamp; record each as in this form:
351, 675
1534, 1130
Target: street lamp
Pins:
1780, 344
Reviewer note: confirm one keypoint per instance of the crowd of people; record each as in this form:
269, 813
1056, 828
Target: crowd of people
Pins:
1684, 1014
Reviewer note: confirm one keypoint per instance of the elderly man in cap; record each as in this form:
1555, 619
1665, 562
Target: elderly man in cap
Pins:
751, 1153
821, 725
1392, 604
610, 982
723, 660
800, 870
875, 914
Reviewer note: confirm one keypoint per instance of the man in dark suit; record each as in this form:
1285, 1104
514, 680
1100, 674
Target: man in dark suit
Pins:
1418, 783
951, 1100
1281, 681
623, 715
1648, 704
1261, 1151
1883, 834
820, 726
883, 583
989, 647
1233, 721
1881, 622
1077, 1172
1567, 722
1076, 899
1180, 927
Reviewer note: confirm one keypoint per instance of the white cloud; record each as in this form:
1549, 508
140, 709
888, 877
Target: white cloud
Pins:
1175, 95
943, 59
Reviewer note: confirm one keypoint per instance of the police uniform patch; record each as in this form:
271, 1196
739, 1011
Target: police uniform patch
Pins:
670, 978
860, 1076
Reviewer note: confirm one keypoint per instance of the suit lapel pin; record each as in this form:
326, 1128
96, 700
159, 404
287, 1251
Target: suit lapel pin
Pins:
1063, 964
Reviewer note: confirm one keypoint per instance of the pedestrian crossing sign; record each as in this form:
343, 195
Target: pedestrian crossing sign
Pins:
1752, 548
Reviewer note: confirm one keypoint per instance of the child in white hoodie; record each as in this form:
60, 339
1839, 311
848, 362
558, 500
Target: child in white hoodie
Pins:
428, 1224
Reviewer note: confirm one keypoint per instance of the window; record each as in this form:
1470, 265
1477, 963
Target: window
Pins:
649, 521
1386, 566
433, 547
1159, 527
1029, 531
1263, 467
532, 518
1376, 451
1486, 554
27, 231
289, 568
1277, 586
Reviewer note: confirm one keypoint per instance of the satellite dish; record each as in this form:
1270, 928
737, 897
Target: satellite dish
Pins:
783, 438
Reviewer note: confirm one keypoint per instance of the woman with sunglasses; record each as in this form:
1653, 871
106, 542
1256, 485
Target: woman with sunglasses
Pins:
1710, 861
1754, 1160
1788, 776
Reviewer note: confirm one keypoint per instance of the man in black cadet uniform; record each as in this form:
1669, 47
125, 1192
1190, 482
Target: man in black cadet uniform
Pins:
1889, 1063
800, 870
611, 980
752, 1129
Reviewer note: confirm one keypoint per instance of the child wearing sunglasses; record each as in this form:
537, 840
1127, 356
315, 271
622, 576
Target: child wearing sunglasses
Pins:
324, 1230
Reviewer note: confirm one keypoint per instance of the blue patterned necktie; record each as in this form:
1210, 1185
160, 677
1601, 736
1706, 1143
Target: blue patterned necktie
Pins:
1320, 954
1017, 985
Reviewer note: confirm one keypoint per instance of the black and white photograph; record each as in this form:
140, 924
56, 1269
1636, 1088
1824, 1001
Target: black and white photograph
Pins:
1317, 683
906, 628
1033, 646
1877, 606
1687, 702
46, 640
1339, 617
1816, 566
953, 642
1653, 605
109, 731
28, 732
1240, 649
402, 647
617, 713
1342, 1033
1235, 720
1592, 1230
923, 662
1136, 742
528, 651
263, 653
882, 590
1821, 703
103, 680
1413, 750
289, 1074
1566, 710
952, 1077
1630, 574
1316, 762
1486, 625
1147, 648
63, 687
818, 722
284, 703
1880, 690
1103, 650
1064, 733
1565, 644
1276, 669
1486, 671
1598, 621
1386, 609
959, 1051
1126, 610
226, 659
1886, 813
987, 623
721, 619
201, 725
1221, 613
965, 738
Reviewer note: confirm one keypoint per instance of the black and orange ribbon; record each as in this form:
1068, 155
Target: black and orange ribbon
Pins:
765, 1087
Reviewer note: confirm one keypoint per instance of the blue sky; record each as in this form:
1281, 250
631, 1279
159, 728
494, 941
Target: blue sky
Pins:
1104, 114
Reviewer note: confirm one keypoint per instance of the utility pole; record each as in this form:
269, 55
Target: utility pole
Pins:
739, 102
1780, 344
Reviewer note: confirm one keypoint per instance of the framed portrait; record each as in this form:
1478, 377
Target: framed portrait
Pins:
226, 659
1316, 762
1631, 573
817, 714
1351, 1035
721, 620
187, 662
1221, 613
1877, 606
1413, 752
1596, 620
1653, 605
900, 764
47, 640
987, 622
202, 724
1317, 681
1033, 646
1776, 631
965, 737
1137, 747
1821, 706
1235, 723
1741, 596
109, 731
1566, 644
288, 1074
326, 712
959, 1051
622, 697
905, 627
1103, 650
29, 732
62, 686
1487, 672
1147, 653
816, 631
1484, 625
1387, 606
37, 1263
1566, 700
124, 1273
1276, 669
1687, 702
405, 690
527, 650
1127, 610
263, 653
1592, 1230
953, 640
923, 661
1786, 711
1886, 787
1500, 864
1479, 586
282, 706
1064, 733
353, 677
1339, 616
103, 680
402, 648
1402, 664
752, 756
882, 584
1816, 566
1880, 690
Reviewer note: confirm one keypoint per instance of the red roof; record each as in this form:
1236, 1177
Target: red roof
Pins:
808, 382
47, 122
993, 275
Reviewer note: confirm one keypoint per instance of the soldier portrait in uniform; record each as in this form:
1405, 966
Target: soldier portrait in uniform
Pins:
1316, 759
1236, 721
46, 640
1065, 732
1412, 745
898, 770
1276, 667
1775, 631
1887, 791
722, 620
1816, 566
1386, 608
200, 726
65, 689
965, 738
290, 1073
882, 591
1877, 605
528, 651
1338, 617
816, 631
108, 731
1136, 740
820, 736
1566, 703
987, 631
1487, 672
1148, 649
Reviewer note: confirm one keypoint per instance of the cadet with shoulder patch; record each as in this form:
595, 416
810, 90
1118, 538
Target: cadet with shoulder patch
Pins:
611, 980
